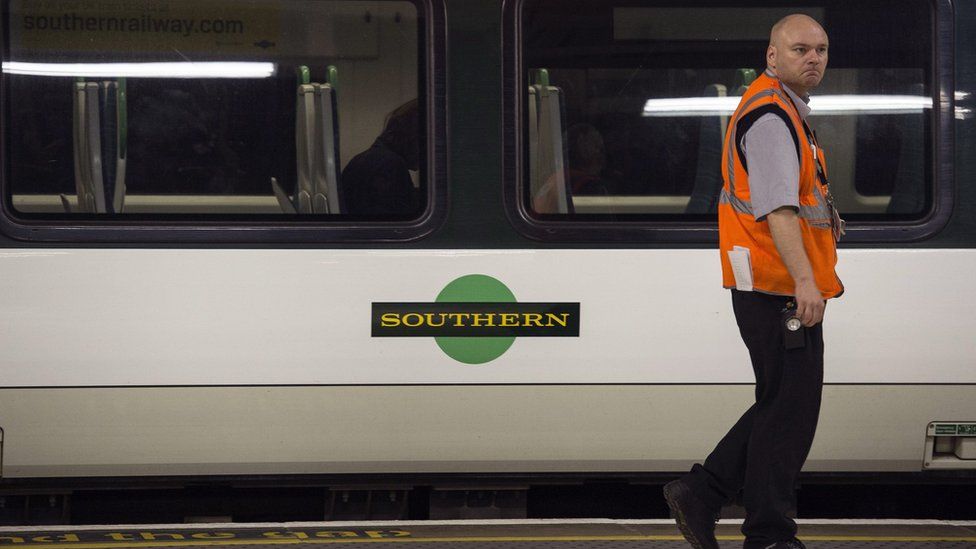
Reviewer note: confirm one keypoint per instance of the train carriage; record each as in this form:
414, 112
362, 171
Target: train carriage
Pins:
191, 289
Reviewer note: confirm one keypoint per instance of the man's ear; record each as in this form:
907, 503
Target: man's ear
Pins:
771, 56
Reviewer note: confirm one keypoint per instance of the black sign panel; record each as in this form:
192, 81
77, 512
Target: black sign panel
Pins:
476, 319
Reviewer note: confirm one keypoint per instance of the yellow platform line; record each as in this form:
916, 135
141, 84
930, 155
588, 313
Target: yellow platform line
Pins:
889, 538
462, 539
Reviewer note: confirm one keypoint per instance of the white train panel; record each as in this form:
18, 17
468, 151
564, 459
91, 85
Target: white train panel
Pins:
439, 429
303, 317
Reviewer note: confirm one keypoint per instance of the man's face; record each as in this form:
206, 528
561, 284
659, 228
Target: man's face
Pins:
798, 54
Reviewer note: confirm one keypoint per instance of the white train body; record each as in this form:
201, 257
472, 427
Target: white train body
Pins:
160, 362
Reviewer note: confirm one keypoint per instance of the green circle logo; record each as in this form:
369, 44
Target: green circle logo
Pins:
475, 288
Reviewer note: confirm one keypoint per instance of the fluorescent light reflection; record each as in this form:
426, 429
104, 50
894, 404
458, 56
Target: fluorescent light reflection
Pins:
691, 106
869, 104
819, 105
144, 70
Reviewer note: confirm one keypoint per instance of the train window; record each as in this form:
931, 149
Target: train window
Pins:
624, 107
278, 111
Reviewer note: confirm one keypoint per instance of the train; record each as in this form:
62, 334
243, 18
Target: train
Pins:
190, 291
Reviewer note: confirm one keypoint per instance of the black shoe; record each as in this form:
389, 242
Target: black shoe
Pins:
792, 544
695, 520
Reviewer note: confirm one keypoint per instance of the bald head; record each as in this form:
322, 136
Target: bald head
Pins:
784, 26
797, 52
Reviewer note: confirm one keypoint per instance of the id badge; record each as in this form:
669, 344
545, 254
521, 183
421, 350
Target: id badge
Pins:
837, 225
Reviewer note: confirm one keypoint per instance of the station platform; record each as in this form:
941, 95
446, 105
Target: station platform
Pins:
482, 534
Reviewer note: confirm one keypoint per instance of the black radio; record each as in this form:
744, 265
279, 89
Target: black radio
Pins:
794, 334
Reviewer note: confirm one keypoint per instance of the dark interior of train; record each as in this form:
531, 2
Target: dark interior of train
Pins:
608, 60
207, 136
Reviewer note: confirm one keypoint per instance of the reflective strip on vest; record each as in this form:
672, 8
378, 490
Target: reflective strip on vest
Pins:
739, 205
818, 215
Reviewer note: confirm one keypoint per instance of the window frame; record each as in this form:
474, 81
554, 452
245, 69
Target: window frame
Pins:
432, 61
533, 226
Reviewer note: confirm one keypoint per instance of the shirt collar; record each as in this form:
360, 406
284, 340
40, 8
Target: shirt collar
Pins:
802, 103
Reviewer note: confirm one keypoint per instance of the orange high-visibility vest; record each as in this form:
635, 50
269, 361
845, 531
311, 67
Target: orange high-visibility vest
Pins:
737, 226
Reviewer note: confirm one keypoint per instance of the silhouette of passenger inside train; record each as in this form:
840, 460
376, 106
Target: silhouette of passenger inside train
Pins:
376, 182
584, 175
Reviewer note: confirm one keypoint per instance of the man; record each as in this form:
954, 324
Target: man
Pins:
777, 237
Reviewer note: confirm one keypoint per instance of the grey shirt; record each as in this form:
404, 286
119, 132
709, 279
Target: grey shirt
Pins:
774, 170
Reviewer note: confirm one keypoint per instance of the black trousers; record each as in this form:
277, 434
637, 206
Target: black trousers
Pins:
763, 453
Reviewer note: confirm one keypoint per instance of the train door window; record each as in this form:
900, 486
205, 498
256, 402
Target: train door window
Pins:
252, 114
623, 109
